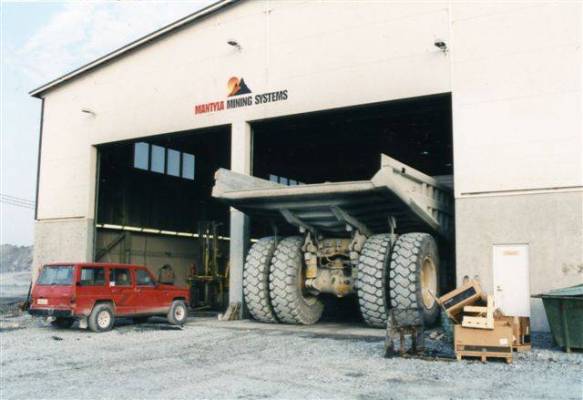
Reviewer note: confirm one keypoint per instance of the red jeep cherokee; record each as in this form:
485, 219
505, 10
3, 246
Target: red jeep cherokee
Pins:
97, 293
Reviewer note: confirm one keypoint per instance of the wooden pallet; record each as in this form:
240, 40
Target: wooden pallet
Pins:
484, 355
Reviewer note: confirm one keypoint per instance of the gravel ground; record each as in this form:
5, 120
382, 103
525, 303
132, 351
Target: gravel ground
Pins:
155, 360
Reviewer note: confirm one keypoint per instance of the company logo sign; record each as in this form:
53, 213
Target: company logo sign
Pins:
240, 95
237, 86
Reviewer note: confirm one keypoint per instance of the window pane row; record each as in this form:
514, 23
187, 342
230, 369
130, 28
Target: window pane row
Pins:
284, 180
164, 161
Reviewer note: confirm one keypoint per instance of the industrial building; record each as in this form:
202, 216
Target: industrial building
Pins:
488, 96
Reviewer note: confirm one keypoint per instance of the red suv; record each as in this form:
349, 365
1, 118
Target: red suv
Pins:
97, 293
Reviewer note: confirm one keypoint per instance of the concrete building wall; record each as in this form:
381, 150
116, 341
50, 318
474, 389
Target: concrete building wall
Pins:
550, 223
518, 139
62, 240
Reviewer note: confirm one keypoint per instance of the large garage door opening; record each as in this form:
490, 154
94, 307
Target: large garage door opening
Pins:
346, 145
154, 208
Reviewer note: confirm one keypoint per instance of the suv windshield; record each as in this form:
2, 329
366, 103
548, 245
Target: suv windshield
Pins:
56, 275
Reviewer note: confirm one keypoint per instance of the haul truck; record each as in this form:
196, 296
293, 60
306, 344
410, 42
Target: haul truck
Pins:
374, 239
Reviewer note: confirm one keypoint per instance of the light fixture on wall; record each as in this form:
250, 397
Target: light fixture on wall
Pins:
88, 111
441, 45
234, 43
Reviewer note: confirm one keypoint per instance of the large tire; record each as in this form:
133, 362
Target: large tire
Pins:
256, 280
413, 272
292, 305
101, 318
371, 280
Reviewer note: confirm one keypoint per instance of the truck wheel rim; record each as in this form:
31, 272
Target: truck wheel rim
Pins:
428, 282
179, 313
103, 319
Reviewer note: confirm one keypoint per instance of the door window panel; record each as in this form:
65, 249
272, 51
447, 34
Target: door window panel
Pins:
92, 277
120, 277
143, 278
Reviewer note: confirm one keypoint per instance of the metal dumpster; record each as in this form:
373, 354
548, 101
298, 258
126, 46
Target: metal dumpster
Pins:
564, 309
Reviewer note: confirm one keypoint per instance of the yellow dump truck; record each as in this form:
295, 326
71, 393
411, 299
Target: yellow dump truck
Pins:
375, 239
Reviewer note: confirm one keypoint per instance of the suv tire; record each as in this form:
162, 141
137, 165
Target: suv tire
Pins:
178, 313
101, 318
63, 323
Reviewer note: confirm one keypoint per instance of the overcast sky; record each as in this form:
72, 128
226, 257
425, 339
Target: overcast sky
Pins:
41, 41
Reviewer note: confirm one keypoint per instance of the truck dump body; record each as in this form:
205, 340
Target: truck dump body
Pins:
417, 202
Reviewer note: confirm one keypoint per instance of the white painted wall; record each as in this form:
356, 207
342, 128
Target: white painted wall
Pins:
516, 83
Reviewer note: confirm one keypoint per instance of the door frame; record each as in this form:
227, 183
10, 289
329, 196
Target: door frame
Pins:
510, 244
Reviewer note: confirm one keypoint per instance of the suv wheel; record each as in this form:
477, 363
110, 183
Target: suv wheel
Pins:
101, 318
178, 313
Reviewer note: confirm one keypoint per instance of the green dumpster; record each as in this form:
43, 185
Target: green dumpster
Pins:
564, 309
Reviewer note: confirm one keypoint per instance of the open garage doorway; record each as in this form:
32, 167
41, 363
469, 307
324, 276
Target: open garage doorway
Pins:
154, 208
346, 145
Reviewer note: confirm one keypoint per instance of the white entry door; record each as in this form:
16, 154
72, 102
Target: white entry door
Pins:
511, 279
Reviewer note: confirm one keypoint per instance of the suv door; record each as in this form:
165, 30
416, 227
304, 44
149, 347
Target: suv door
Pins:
148, 299
90, 286
122, 290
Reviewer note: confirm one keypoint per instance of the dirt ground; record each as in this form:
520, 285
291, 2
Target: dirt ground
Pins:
220, 360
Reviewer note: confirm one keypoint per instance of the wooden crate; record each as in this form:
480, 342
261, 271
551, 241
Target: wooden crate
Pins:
454, 301
484, 343
478, 316
520, 332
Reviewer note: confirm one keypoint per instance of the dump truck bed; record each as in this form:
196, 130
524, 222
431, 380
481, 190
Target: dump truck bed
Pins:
418, 202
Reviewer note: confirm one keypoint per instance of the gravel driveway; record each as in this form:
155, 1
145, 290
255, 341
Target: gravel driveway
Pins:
155, 360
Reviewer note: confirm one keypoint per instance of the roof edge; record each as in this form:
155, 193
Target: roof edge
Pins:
211, 8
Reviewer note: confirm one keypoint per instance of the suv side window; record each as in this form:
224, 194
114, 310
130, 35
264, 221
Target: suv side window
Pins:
143, 278
120, 277
92, 276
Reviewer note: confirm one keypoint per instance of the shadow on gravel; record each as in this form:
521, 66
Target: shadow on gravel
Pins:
124, 326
